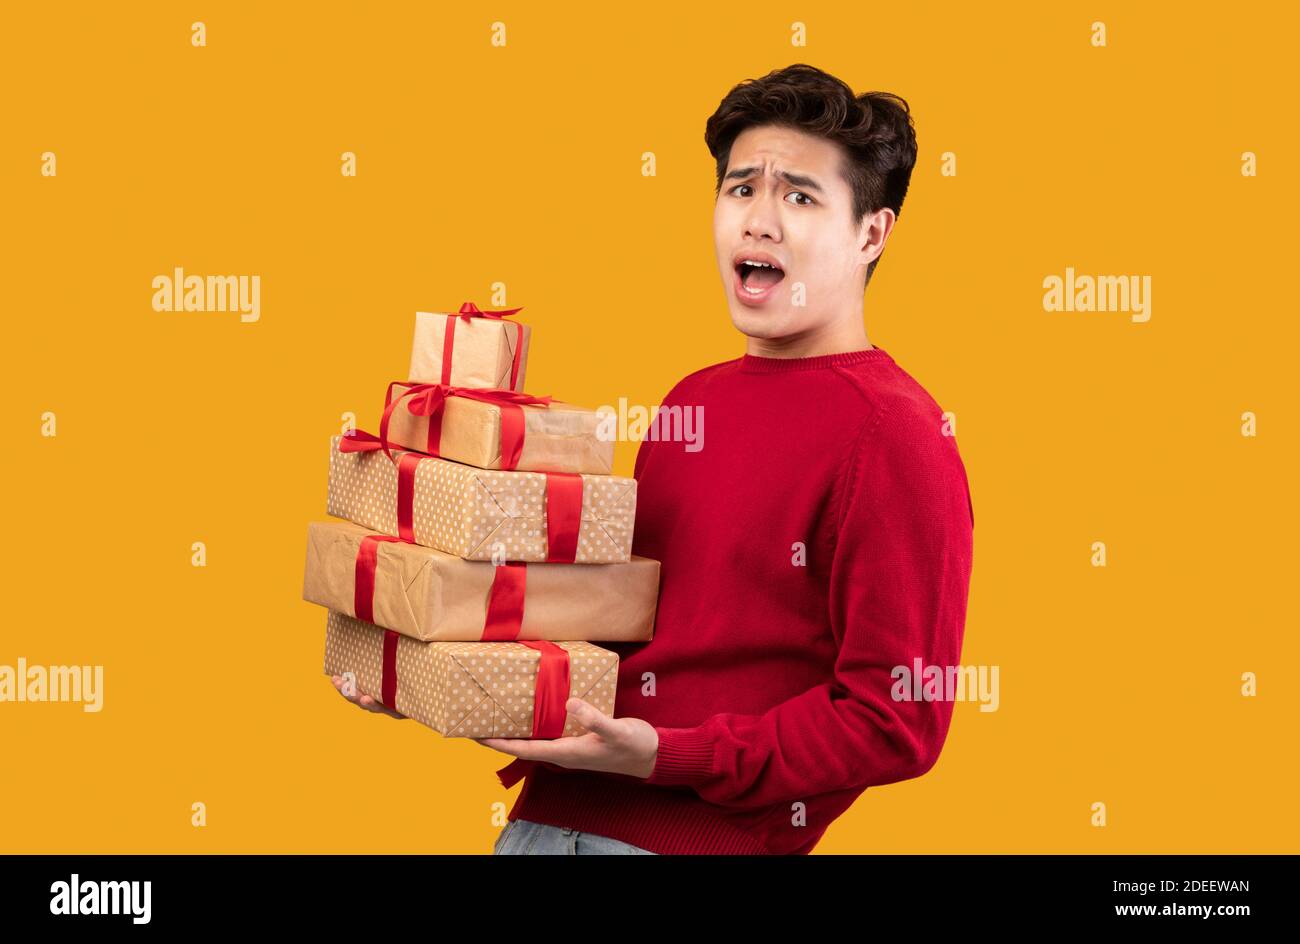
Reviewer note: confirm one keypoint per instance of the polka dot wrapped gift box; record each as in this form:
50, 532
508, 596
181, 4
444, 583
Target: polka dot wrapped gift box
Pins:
484, 514
473, 689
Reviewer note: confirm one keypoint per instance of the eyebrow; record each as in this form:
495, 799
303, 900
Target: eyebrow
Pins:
798, 180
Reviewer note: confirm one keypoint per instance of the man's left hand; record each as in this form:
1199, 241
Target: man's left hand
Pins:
613, 745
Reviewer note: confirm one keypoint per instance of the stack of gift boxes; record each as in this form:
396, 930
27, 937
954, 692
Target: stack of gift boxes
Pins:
486, 544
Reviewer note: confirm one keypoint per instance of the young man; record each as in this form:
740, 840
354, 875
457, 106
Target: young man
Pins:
817, 546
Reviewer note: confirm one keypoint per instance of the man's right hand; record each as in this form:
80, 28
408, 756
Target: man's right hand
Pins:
363, 700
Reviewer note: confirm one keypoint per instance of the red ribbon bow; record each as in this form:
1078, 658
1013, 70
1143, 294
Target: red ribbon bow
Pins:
469, 310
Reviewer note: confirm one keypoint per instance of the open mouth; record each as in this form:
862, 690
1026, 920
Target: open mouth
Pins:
757, 279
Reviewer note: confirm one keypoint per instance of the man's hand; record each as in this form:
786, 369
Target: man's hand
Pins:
612, 745
360, 698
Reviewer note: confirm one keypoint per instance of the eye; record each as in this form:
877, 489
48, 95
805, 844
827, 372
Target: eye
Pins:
800, 193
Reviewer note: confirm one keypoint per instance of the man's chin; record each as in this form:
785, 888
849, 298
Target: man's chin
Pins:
767, 322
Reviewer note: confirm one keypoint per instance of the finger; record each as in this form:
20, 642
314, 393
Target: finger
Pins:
506, 745
362, 700
591, 717
526, 748
370, 704
584, 751
516, 746
342, 689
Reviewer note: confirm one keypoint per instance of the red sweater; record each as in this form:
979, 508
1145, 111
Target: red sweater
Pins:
820, 537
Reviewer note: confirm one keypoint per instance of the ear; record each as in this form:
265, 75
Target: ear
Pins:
873, 233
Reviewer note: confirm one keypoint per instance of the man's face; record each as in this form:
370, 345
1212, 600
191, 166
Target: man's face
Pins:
784, 201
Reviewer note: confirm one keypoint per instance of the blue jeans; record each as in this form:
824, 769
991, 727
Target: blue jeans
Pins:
524, 837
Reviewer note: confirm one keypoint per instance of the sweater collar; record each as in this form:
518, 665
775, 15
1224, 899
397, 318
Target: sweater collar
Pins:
752, 364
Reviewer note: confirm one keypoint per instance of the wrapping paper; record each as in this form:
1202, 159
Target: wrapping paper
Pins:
559, 437
429, 595
482, 351
474, 513
470, 689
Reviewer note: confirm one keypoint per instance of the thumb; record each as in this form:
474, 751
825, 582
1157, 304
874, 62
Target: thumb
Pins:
591, 717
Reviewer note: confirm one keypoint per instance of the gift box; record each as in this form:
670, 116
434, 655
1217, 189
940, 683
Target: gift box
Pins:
484, 514
473, 689
429, 595
496, 429
470, 348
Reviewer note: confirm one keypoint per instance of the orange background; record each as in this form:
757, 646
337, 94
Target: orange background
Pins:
522, 165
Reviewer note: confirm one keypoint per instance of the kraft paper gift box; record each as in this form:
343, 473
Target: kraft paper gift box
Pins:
429, 595
484, 514
473, 428
470, 348
473, 689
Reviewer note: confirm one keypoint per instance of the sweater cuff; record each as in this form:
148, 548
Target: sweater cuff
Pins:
685, 757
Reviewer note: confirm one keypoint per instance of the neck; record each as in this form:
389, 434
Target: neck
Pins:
835, 338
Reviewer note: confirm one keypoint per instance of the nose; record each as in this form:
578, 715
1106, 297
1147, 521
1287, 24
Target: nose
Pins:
762, 219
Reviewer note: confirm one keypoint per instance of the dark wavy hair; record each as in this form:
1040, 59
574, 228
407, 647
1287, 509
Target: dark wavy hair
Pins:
874, 130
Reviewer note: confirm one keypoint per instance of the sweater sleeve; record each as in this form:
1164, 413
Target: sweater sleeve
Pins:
899, 578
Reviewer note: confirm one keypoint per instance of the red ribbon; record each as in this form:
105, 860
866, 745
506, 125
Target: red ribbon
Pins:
388, 683
563, 516
549, 714
363, 594
406, 495
514, 771
467, 311
505, 607
552, 689
563, 499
